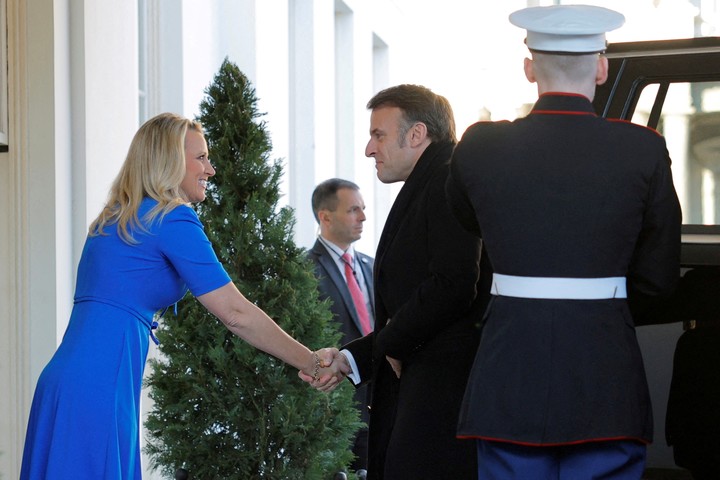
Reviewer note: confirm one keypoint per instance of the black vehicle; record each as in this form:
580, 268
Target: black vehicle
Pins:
674, 86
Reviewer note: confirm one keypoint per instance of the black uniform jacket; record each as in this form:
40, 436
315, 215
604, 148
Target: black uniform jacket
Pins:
427, 274
332, 285
565, 193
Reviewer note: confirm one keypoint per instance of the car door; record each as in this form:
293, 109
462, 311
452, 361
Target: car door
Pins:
674, 87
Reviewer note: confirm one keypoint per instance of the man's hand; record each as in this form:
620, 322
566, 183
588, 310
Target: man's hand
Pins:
333, 368
396, 365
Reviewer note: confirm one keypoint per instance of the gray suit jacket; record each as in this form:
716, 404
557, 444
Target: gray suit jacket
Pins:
332, 285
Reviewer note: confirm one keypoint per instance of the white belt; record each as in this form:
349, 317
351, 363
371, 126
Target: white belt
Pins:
558, 288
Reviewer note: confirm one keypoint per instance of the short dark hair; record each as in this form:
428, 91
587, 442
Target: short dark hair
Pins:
324, 197
419, 104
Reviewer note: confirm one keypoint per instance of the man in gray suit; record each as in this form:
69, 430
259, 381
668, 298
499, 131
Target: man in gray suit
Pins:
343, 272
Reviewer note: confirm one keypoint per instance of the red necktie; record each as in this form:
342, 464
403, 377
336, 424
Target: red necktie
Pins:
356, 294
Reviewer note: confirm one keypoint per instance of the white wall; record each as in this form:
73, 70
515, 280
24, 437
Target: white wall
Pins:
14, 364
313, 69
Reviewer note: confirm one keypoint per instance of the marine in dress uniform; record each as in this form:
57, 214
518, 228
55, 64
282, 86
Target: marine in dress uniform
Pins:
577, 213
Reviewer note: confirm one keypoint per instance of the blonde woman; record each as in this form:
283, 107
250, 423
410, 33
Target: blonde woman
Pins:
143, 252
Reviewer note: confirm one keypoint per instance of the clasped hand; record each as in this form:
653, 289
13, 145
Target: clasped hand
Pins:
334, 367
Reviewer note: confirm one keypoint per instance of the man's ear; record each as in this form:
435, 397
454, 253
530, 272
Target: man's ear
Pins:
529, 70
602, 70
323, 217
418, 134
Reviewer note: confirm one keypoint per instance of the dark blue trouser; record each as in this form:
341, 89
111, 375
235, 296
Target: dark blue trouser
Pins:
610, 460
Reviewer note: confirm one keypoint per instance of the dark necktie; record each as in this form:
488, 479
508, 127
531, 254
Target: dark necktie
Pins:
356, 293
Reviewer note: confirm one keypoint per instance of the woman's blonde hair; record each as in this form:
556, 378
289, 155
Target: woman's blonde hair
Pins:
155, 168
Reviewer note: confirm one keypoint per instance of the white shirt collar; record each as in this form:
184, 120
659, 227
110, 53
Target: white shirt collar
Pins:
335, 249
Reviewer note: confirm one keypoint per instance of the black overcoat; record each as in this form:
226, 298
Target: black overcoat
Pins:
565, 193
427, 306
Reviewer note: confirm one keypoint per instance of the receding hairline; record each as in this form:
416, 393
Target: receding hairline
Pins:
325, 194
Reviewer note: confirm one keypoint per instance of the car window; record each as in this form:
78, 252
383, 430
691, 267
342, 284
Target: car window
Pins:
688, 115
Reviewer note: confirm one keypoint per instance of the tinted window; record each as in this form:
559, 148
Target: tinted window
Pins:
690, 121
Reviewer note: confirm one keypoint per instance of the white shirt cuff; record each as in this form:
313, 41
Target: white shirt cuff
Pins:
354, 376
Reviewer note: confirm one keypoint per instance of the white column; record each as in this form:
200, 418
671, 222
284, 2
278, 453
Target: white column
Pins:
14, 247
73, 82
312, 107
272, 81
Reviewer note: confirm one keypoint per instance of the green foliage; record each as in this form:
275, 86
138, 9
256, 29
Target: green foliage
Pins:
222, 409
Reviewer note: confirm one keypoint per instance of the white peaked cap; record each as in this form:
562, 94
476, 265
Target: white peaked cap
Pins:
567, 29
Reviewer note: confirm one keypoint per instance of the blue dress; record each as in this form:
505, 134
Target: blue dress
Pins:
85, 416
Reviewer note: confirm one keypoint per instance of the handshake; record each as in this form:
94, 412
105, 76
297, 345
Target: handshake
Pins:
329, 367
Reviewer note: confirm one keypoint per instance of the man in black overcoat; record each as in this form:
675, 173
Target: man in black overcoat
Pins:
339, 208
577, 214
427, 297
